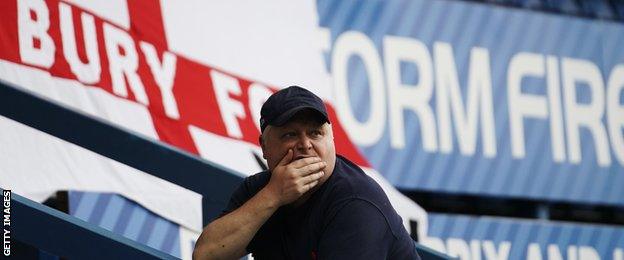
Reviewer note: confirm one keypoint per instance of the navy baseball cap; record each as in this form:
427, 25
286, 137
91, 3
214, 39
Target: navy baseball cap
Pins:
284, 104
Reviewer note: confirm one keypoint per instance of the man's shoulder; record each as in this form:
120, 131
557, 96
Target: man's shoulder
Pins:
352, 181
357, 193
352, 184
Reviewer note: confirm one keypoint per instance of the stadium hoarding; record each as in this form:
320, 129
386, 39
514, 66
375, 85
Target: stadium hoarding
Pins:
471, 237
459, 97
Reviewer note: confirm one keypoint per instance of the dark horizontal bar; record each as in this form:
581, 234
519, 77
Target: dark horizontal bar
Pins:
479, 205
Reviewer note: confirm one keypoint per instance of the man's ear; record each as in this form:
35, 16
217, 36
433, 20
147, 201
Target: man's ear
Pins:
262, 146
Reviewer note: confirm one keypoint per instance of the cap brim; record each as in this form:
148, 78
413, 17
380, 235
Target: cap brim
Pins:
285, 117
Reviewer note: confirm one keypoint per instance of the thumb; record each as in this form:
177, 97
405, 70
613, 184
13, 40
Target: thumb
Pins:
287, 158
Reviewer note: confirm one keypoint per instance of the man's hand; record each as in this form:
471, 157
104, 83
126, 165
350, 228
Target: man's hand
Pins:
227, 236
290, 180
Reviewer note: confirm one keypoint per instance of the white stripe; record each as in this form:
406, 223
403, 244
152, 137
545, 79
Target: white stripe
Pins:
91, 100
33, 163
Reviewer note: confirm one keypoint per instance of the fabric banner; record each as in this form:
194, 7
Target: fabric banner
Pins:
460, 97
469, 237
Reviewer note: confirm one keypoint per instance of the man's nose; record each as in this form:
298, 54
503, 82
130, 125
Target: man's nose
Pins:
304, 143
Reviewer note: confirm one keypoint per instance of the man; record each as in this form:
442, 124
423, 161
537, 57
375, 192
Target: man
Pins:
311, 203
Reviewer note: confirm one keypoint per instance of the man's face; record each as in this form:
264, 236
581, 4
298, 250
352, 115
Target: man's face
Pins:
306, 135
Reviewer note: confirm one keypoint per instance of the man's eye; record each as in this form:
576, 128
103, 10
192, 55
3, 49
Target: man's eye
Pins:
288, 135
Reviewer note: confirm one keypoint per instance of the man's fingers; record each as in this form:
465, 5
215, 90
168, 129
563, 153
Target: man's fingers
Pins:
305, 161
311, 168
310, 185
312, 177
287, 158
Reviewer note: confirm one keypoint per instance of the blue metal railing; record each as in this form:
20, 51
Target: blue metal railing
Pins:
63, 235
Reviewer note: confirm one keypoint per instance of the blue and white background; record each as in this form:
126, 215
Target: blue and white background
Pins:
472, 237
419, 35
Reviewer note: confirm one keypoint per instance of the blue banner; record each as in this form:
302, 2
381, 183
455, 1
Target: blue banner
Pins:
460, 97
505, 238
